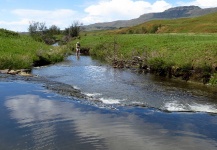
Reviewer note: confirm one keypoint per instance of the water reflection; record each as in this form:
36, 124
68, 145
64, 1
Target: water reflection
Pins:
60, 124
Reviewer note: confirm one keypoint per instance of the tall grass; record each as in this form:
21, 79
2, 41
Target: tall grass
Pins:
196, 49
21, 51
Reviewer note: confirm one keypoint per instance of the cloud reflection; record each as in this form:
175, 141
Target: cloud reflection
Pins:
47, 119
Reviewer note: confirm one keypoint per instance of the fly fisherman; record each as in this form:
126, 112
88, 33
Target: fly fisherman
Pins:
78, 48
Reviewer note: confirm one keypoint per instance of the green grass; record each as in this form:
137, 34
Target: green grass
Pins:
21, 51
162, 50
179, 49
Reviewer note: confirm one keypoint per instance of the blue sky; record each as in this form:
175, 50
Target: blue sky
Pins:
17, 14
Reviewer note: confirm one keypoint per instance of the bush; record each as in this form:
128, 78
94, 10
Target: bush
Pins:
73, 30
7, 33
186, 68
213, 79
41, 33
100, 50
155, 28
160, 66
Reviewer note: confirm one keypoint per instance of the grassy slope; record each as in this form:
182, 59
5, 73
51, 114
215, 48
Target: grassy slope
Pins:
203, 24
21, 51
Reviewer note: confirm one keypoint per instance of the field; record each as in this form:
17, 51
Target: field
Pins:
179, 49
22, 52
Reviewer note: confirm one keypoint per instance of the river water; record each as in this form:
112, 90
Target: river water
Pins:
123, 110
124, 87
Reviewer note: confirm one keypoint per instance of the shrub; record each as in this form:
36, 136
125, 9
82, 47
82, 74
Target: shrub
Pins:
213, 79
73, 30
41, 33
187, 67
160, 66
7, 33
155, 28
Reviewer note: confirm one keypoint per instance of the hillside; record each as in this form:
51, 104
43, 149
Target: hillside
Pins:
202, 24
172, 13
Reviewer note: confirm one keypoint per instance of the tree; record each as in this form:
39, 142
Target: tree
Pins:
40, 32
37, 30
74, 29
37, 27
53, 30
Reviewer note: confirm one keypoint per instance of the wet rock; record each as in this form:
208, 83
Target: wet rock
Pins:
5, 71
186, 76
22, 72
26, 70
206, 78
136, 60
118, 63
13, 72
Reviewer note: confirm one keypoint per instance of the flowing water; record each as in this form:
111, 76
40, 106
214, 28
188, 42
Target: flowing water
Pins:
34, 117
124, 87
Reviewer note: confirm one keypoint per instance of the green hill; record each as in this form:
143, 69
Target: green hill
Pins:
202, 24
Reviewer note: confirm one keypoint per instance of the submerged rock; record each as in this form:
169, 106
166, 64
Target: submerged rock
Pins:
5, 71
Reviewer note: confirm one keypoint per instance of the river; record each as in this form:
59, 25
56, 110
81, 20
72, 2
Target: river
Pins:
124, 87
120, 109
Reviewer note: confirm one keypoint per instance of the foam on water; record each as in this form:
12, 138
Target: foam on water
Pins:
92, 94
203, 108
77, 88
194, 107
174, 106
110, 101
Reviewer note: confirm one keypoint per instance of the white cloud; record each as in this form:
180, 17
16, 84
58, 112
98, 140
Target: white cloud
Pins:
97, 11
21, 25
201, 3
60, 17
110, 10
101, 11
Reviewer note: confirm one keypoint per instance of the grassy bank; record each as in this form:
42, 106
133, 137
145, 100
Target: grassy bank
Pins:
163, 53
21, 51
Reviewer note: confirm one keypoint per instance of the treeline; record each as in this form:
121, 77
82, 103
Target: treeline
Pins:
40, 32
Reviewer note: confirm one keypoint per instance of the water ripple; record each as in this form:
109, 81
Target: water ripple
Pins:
40, 120
110, 86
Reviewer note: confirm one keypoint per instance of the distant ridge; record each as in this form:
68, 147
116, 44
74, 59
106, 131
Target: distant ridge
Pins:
172, 13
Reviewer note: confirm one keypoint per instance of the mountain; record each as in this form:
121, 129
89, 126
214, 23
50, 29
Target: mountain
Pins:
172, 13
200, 24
